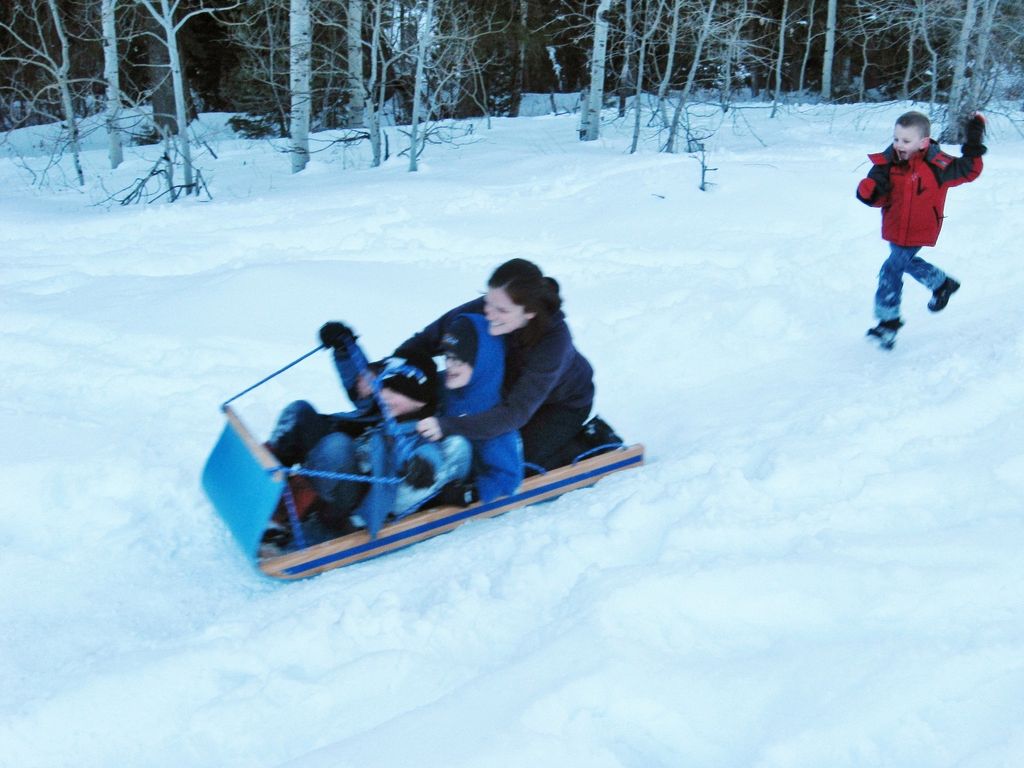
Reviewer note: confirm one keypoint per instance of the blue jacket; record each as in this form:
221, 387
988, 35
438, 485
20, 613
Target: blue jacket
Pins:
548, 372
497, 461
384, 447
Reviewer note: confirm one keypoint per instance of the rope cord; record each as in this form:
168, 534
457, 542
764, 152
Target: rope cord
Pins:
293, 517
268, 378
336, 475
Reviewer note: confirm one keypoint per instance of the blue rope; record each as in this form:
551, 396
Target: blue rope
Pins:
336, 475
268, 378
597, 449
293, 517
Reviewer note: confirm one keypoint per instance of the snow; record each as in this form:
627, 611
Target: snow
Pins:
819, 564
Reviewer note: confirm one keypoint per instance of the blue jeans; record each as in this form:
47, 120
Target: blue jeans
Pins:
303, 435
890, 279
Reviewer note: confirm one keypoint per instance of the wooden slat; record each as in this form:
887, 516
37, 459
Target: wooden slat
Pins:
432, 522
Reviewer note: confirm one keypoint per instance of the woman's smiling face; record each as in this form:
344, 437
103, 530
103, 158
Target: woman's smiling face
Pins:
504, 315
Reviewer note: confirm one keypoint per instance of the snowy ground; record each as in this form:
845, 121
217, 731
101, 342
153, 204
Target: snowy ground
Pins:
820, 564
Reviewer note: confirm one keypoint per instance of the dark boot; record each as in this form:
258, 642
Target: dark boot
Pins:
940, 296
885, 332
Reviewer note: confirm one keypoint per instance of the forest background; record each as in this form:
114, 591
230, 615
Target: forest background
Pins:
141, 70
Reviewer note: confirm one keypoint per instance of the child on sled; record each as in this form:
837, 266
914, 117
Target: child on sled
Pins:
377, 440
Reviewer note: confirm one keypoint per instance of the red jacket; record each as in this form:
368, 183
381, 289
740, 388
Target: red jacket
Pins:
912, 195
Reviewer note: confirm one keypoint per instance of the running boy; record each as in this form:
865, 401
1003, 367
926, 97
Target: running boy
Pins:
909, 181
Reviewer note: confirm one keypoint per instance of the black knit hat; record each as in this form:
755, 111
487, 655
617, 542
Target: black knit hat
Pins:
412, 376
460, 340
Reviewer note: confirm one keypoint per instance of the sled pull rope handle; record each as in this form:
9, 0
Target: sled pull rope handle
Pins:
268, 378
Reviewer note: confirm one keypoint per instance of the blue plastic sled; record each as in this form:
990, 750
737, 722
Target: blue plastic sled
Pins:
239, 481
245, 491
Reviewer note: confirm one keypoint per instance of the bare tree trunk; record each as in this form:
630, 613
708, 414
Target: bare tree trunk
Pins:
180, 107
426, 33
830, 51
355, 106
670, 62
778, 59
730, 55
909, 71
933, 54
161, 91
956, 108
807, 47
518, 82
64, 87
684, 97
375, 84
111, 75
981, 55
591, 128
625, 74
300, 41
638, 93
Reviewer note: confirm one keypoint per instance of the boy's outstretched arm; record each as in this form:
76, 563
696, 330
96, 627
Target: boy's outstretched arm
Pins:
348, 359
967, 168
874, 190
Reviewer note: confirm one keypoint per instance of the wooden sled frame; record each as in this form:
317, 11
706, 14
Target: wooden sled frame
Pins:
240, 482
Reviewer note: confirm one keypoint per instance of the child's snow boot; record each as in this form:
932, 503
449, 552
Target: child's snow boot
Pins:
885, 332
940, 296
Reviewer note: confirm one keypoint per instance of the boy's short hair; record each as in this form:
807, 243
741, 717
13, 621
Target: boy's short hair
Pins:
917, 120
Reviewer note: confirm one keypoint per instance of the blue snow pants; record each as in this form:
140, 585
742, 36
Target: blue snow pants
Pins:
902, 259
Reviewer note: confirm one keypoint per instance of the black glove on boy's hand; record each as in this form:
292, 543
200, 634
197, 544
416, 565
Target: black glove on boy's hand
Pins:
974, 131
419, 473
336, 335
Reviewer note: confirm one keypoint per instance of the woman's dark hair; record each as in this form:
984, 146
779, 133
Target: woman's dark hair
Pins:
527, 286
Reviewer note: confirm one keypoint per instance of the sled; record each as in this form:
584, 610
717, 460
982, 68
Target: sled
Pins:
241, 482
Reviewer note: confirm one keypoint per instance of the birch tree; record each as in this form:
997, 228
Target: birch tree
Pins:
830, 51
591, 128
112, 80
425, 34
670, 61
957, 107
300, 43
39, 42
355, 86
163, 13
702, 37
779, 57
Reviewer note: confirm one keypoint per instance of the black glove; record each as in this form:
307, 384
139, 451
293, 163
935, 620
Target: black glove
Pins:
337, 335
974, 130
419, 473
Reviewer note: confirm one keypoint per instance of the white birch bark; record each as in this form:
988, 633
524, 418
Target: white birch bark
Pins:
425, 27
112, 78
670, 62
955, 108
64, 88
830, 51
778, 59
591, 129
355, 108
375, 84
300, 43
981, 55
